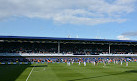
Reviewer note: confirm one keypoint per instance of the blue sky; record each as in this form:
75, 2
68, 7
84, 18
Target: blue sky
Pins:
104, 19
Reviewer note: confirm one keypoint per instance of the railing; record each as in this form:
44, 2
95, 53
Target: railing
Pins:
34, 54
59, 54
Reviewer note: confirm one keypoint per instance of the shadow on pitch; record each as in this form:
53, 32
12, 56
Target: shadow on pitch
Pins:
11, 72
130, 71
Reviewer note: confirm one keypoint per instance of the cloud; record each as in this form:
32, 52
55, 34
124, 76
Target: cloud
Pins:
121, 37
129, 34
89, 12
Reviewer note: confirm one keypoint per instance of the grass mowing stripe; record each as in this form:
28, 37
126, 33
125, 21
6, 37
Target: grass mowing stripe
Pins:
97, 72
44, 75
57, 68
65, 73
30, 73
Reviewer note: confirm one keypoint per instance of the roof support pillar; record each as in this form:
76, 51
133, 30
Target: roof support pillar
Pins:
109, 49
58, 47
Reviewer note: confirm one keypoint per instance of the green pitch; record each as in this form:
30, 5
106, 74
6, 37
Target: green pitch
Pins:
62, 72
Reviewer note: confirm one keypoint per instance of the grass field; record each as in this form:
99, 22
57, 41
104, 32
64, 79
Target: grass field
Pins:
62, 72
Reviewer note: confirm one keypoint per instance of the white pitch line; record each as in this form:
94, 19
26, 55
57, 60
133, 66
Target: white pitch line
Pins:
30, 73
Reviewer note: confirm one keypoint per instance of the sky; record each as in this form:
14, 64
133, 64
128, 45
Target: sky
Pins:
95, 19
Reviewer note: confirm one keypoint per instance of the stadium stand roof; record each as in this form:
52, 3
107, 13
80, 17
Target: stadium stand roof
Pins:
72, 39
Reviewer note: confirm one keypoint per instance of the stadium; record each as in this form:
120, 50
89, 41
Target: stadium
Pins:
68, 40
24, 58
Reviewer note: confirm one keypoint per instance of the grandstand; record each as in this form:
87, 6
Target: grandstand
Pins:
72, 45
51, 46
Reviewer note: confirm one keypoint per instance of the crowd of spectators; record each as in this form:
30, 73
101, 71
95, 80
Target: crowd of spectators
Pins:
27, 48
63, 60
87, 49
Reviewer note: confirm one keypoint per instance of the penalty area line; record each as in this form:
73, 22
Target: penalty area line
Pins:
30, 73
